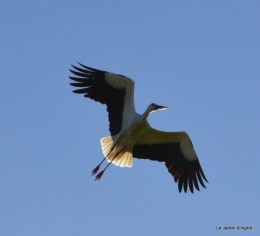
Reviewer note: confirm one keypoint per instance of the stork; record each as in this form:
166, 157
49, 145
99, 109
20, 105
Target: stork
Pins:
131, 134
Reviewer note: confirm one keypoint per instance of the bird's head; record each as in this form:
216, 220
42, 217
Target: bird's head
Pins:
153, 107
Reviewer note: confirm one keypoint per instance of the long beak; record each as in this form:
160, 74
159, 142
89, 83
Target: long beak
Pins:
158, 107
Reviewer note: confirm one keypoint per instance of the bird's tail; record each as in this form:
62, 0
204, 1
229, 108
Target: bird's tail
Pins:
106, 145
110, 150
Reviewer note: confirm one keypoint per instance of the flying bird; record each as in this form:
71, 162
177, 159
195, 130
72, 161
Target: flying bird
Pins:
131, 134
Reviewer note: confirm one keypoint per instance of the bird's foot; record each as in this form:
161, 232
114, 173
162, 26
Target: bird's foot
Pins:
98, 177
95, 170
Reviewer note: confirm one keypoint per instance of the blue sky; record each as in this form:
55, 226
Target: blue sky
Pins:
201, 59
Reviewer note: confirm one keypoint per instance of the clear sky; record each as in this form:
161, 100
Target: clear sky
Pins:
199, 58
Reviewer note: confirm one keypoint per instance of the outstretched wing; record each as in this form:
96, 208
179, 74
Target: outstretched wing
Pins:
116, 91
176, 150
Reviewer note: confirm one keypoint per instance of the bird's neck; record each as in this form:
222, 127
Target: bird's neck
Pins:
145, 114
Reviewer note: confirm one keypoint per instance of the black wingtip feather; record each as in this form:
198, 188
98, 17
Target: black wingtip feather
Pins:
76, 79
79, 73
91, 69
78, 84
190, 182
185, 182
180, 186
203, 175
82, 70
200, 179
